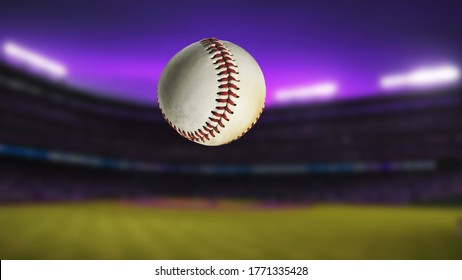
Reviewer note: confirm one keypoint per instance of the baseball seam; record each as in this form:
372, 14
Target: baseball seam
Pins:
226, 95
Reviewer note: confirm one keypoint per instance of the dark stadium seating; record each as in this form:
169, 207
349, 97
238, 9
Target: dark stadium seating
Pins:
55, 117
414, 126
23, 181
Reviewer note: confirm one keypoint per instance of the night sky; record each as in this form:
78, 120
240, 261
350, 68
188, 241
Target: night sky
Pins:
119, 48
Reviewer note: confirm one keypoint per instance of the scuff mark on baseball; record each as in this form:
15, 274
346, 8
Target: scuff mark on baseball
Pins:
212, 92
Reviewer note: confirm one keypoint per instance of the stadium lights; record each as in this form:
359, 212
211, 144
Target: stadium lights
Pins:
422, 77
17, 52
312, 92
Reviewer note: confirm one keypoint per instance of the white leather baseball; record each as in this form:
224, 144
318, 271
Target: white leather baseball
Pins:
212, 92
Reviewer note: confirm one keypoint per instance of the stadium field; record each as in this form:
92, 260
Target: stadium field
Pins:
115, 230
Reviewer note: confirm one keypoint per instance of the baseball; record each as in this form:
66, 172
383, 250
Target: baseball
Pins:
212, 92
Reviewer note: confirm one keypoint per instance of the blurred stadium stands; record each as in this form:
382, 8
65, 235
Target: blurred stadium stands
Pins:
60, 143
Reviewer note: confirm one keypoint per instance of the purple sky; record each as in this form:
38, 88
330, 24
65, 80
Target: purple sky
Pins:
119, 47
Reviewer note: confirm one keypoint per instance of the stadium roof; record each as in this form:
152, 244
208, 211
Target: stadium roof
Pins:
120, 48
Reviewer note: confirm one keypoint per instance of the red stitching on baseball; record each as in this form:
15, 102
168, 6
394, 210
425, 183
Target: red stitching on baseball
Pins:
223, 59
227, 88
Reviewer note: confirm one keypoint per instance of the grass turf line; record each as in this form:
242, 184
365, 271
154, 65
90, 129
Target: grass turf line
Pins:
110, 230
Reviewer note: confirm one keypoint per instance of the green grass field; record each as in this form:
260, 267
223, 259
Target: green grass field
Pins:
105, 230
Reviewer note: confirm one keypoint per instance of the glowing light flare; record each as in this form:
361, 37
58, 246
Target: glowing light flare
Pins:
423, 77
316, 92
34, 59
